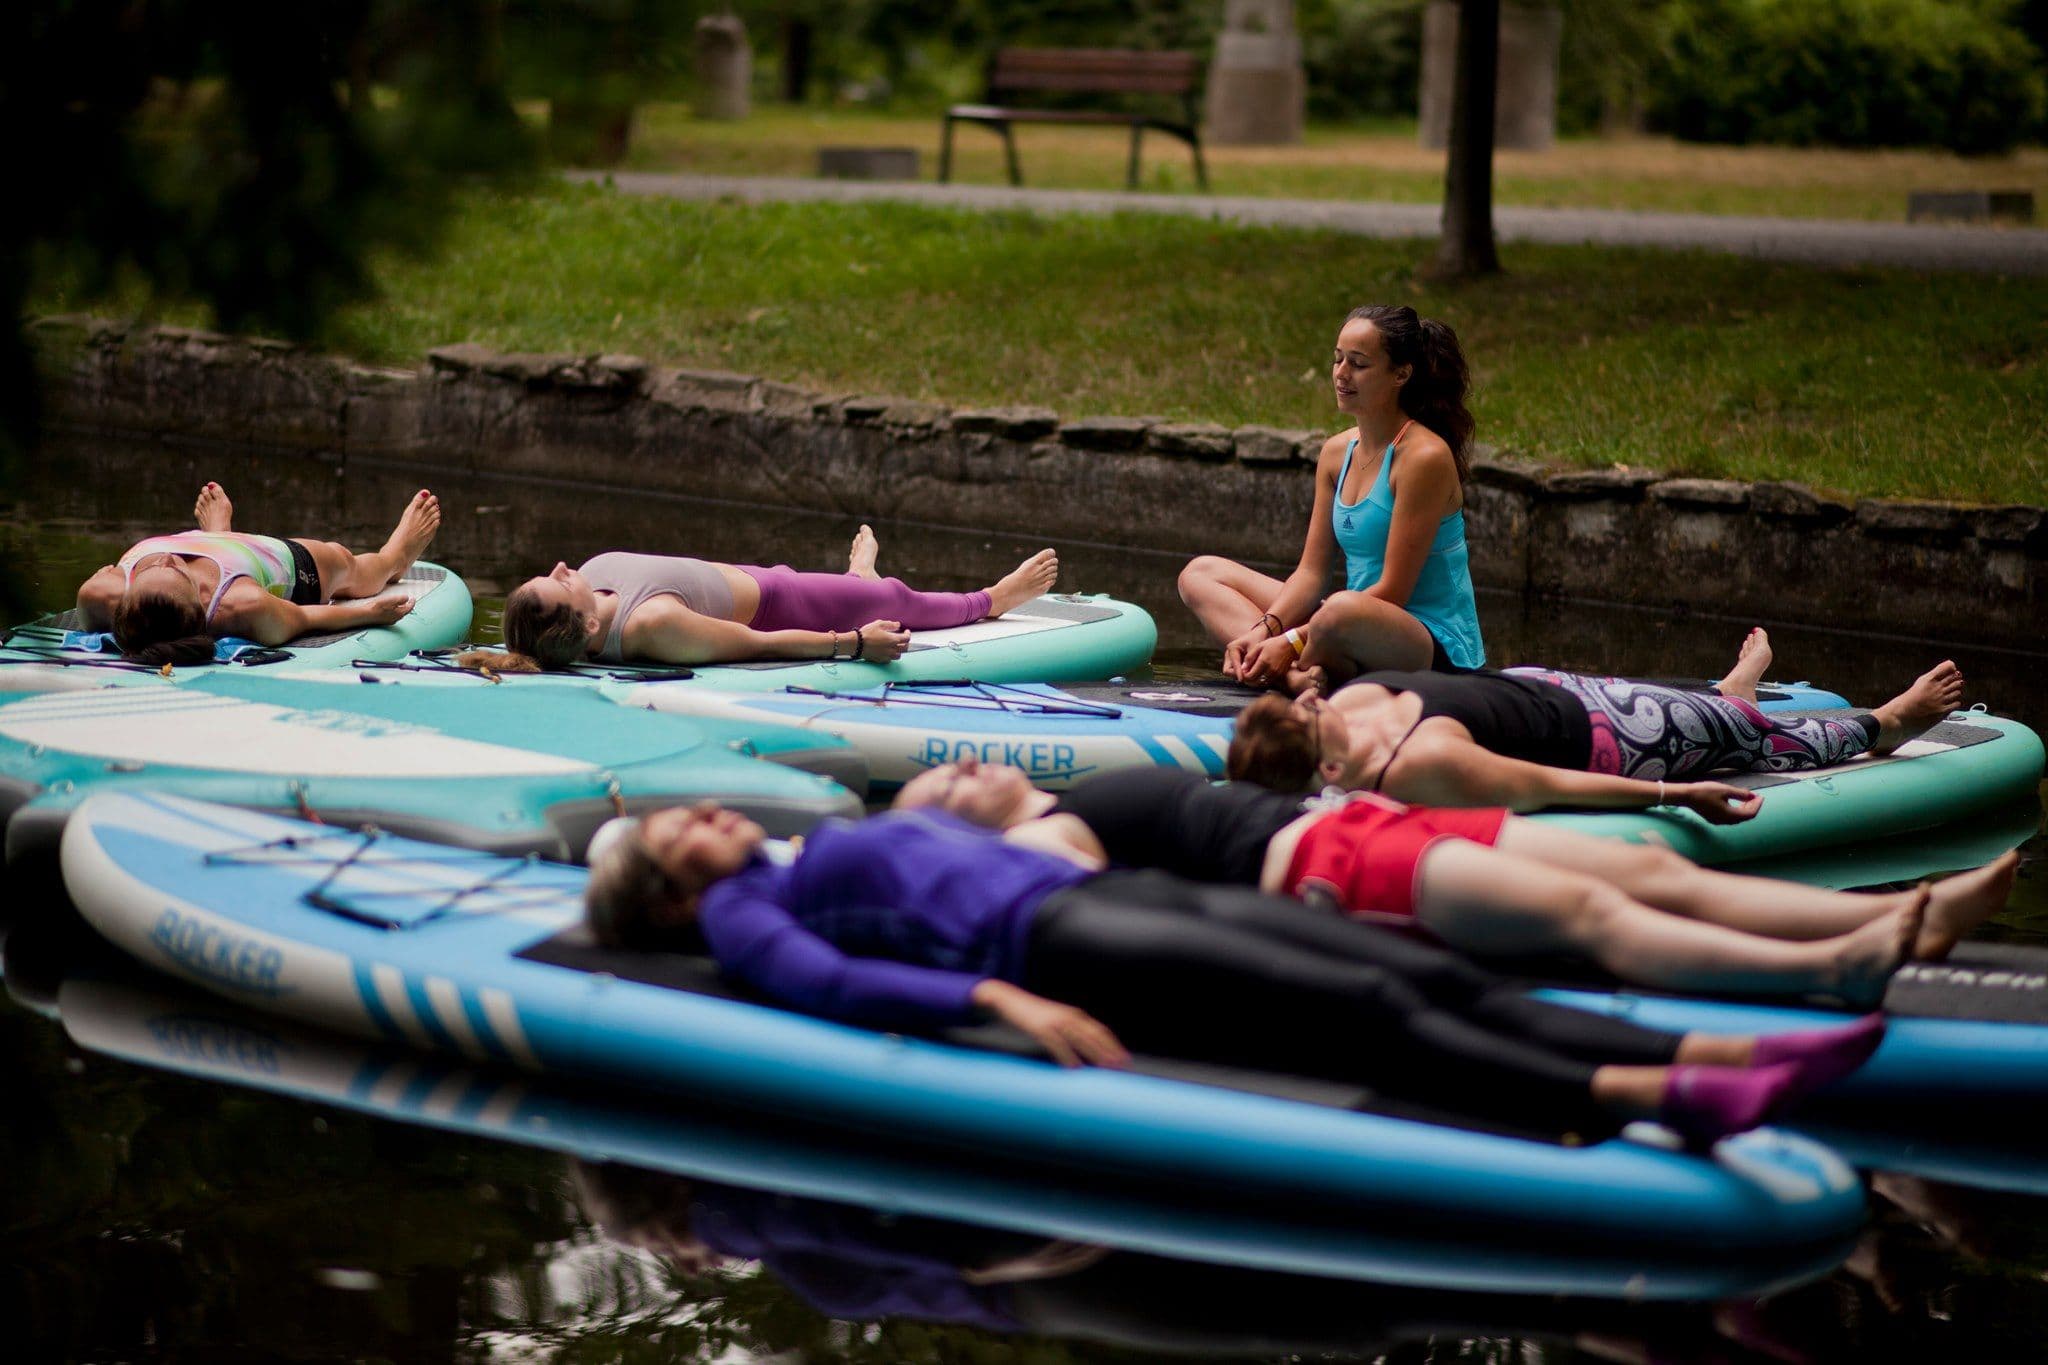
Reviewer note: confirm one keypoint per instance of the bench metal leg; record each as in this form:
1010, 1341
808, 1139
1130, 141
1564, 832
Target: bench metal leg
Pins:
1137, 136
1010, 153
946, 151
1201, 171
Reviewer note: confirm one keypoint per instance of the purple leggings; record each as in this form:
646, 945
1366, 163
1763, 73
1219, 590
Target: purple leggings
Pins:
843, 601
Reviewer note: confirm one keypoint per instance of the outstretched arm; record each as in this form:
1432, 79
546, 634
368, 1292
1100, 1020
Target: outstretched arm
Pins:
666, 631
1454, 772
273, 621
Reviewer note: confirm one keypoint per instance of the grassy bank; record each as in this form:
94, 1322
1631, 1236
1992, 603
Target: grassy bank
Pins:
1377, 162
1868, 382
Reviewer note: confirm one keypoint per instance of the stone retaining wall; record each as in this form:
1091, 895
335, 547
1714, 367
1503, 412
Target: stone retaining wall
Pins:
1772, 551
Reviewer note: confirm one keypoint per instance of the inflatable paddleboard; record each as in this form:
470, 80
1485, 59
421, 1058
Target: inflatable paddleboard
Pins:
1969, 1031
152, 1022
499, 769
1964, 771
1057, 734
52, 654
485, 957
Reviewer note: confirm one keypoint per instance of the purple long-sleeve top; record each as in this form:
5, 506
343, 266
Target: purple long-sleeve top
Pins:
889, 922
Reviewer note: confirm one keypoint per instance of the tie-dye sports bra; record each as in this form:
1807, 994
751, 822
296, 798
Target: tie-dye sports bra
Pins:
265, 559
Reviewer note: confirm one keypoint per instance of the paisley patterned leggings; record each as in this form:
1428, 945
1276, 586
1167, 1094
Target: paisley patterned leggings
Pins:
1647, 731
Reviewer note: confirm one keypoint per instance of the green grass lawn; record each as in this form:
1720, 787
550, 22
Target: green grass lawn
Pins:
1864, 381
1381, 161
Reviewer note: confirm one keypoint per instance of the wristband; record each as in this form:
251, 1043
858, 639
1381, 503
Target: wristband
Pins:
1293, 638
860, 644
1660, 793
1273, 629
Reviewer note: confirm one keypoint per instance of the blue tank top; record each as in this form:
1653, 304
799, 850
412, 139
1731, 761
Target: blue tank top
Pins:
1442, 599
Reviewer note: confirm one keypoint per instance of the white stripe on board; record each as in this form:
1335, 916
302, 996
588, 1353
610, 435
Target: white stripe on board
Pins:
504, 1103
447, 1003
398, 1004
446, 1094
392, 1085
503, 1016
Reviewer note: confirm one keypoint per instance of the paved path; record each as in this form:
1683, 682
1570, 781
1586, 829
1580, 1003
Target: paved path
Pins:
1991, 251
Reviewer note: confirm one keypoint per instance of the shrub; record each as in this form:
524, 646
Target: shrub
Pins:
1854, 73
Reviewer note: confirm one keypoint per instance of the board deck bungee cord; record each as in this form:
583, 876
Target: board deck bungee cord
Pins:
35, 657
1057, 734
151, 1021
512, 771
453, 950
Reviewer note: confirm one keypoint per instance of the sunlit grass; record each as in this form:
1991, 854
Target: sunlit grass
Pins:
1866, 381
1381, 161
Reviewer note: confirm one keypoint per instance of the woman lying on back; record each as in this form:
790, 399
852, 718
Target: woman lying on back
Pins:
663, 609
1485, 882
920, 921
1527, 738
171, 596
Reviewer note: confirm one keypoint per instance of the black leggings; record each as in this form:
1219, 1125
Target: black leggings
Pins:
1232, 974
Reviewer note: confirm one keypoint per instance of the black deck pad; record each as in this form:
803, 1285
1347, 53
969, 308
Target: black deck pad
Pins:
1220, 698
574, 949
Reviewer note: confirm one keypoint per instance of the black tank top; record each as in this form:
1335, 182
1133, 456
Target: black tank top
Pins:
1181, 822
1516, 717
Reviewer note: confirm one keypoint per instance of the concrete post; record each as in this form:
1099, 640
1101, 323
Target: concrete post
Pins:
1256, 89
1525, 114
725, 68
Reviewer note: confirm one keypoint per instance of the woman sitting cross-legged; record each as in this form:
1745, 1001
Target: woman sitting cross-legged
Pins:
919, 921
664, 609
170, 596
1527, 738
1485, 882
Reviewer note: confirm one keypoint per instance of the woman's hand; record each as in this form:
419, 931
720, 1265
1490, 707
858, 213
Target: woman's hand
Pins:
1072, 1036
883, 642
1718, 803
1269, 663
1238, 651
383, 611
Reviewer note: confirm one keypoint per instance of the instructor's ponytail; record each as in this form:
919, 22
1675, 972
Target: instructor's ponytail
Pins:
1435, 392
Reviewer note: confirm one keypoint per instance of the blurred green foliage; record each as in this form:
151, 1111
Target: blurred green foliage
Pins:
1854, 73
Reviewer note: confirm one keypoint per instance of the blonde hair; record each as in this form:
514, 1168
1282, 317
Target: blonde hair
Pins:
1274, 745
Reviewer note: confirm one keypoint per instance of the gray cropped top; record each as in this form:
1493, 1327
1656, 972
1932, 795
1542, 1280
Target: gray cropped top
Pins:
635, 578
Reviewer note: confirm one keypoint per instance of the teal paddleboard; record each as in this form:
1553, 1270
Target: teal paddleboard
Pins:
485, 958
495, 768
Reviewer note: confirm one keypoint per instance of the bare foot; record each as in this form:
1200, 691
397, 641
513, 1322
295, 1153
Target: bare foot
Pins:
860, 560
1958, 904
1927, 702
1868, 956
213, 511
414, 532
1033, 578
1750, 663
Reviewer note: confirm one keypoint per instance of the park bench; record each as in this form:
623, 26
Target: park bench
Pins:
1082, 71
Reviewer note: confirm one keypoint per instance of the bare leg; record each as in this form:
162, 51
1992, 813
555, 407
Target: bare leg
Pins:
1225, 596
1919, 708
1354, 633
368, 575
1486, 900
1033, 578
860, 560
1750, 663
212, 511
1762, 905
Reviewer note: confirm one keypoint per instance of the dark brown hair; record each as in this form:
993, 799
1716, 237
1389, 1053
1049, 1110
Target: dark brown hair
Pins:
626, 887
1435, 392
1273, 745
551, 636
158, 628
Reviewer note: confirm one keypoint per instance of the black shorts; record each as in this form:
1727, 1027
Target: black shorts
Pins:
1439, 658
306, 578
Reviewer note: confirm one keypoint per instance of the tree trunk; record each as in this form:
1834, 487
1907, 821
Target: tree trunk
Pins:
1468, 248
796, 60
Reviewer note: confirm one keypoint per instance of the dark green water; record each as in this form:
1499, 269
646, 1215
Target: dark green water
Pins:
152, 1215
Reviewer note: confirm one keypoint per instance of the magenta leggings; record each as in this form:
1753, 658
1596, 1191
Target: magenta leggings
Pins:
842, 601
